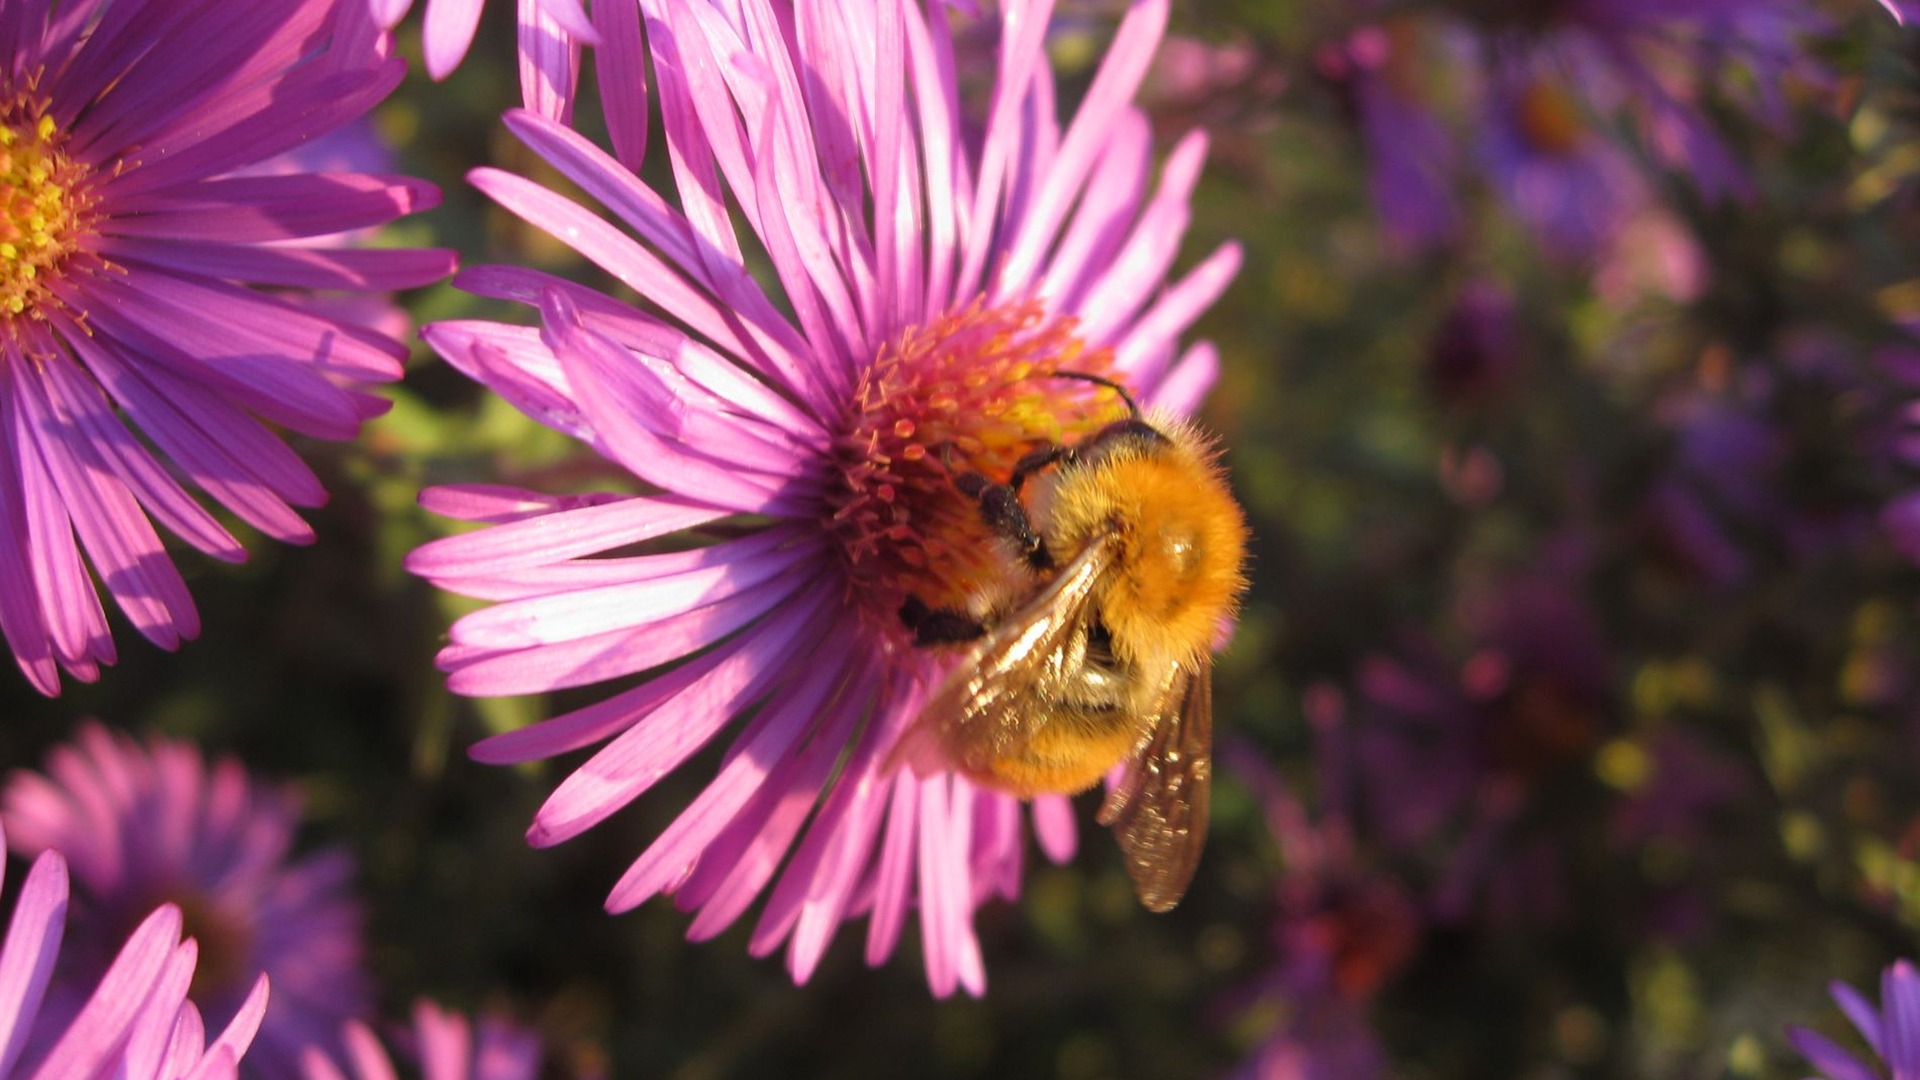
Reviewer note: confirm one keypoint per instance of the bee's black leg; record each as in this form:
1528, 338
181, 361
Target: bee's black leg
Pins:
1035, 460
1000, 508
939, 626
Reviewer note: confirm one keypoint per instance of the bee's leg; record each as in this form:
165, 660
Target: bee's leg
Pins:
1035, 460
939, 626
1121, 432
1000, 507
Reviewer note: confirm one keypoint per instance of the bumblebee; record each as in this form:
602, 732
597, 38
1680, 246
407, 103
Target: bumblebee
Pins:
1125, 559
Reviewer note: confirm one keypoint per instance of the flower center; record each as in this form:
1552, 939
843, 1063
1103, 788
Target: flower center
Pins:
971, 391
43, 204
1548, 119
225, 941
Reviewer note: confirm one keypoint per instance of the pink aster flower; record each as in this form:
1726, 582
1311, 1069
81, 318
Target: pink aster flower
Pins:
551, 33
139, 249
142, 825
446, 1045
136, 1022
803, 463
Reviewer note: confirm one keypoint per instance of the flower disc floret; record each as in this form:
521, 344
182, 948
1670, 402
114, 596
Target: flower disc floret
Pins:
44, 205
972, 391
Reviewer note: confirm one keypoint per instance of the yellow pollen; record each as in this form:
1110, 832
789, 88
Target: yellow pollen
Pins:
969, 392
43, 204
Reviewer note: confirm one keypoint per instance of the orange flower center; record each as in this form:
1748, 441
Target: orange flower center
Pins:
971, 391
1549, 120
43, 204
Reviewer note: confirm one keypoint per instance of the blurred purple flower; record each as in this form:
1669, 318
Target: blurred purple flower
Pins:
551, 33
139, 249
1342, 932
1414, 156
1892, 1031
1550, 84
446, 1045
936, 287
1453, 754
1477, 352
1767, 461
143, 825
1572, 186
133, 1023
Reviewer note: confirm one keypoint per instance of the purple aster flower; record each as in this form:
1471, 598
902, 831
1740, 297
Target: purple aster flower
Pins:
446, 1045
551, 33
139, 249
1415, 164
1342, 931
939, 289
136, 1022
1571, 185
1892, 1031
142, 825
1451, 754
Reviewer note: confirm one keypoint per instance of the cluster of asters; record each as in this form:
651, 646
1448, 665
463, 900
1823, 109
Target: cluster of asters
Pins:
178, 297
1572, 113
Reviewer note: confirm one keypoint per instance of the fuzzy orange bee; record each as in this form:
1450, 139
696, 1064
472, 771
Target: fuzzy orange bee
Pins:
1097, 646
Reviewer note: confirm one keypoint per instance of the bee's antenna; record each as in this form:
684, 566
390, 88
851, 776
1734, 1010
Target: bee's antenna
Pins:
1133, 407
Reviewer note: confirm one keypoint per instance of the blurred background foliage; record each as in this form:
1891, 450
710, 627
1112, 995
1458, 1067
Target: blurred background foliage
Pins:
1585, 552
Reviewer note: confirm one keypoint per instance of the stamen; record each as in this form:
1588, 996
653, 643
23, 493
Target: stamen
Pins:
45, 205
971, 391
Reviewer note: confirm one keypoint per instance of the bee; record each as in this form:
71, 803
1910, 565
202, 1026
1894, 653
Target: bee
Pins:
1126, 555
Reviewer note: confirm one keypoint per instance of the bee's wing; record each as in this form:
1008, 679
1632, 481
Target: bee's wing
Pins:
989, 702
1159, 810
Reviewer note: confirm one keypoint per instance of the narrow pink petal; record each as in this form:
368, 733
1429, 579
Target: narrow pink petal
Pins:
380, 269
629, 262
150, 1036
772, 735
620, 61
557, 536
550, 57
81, 397
1114, 85
255, 209
1187, 382
1125, 282
388, 13
240, 1030
499, 504
811, 897
893, 877
1022, 41
479, 673
27, 958
944, 893
736, 867
1106, 213
118, 539
101, 1029
447, 33
1054, 827
670, 729
1154, 333
605, 385
68, 604
705, 576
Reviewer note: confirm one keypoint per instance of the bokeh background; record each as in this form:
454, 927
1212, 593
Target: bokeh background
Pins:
1572, 725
